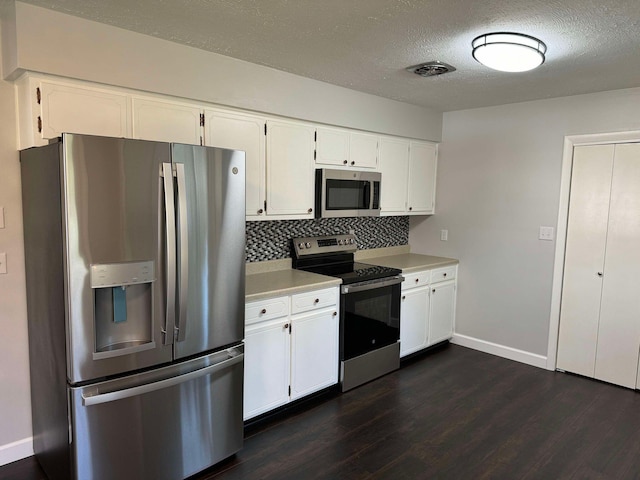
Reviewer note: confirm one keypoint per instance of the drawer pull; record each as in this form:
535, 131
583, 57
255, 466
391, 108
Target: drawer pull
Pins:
263, 311
417, 280
403, 297
444, 274
317, 300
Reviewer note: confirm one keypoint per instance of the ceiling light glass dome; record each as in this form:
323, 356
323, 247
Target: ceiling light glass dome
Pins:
509, 52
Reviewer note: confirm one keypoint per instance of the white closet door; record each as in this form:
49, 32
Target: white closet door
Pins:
619, 332
584, 258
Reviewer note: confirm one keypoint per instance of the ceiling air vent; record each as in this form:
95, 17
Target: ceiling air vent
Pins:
431, 69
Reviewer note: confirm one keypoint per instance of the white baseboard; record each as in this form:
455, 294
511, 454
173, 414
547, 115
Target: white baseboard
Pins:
500, 350
12, 452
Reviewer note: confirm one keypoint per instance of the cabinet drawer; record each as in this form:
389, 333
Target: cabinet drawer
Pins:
416, 279
303, 302
444, 273
267, 309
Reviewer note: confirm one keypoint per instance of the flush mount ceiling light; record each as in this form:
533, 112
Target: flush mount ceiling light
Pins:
508, 52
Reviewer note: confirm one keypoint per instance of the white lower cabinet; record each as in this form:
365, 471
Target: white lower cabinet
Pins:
427, 311
291, 349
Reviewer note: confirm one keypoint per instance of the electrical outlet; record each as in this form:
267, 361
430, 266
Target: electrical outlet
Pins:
546, 233
444, 235
3, 263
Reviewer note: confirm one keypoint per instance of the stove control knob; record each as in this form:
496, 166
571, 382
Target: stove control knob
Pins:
307, 244
301, 245
339, 241
351, 241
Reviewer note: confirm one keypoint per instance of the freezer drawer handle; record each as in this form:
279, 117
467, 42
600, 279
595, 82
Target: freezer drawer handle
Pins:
87, 401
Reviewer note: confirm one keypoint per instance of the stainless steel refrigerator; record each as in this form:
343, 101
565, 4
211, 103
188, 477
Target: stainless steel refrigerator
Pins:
135, 255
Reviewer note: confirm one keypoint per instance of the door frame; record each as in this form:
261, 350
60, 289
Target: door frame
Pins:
571, 141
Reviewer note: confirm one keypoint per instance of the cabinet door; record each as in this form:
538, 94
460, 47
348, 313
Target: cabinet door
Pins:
290, 169
394, 165
442, 311
166, 121
585, 248
266, 367
363, 150
76, 109
422, 178
332, 146
619, 327
414, 320
314, 352
242, 132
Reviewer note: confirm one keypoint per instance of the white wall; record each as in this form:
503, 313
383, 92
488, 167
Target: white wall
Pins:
498, 181
15, 413
51, 42
44, 41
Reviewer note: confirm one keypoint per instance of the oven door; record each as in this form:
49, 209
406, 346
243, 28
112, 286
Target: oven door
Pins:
369, 316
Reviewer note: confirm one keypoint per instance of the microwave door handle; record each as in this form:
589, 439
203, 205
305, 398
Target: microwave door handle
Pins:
183, 229
368, 199
170, 254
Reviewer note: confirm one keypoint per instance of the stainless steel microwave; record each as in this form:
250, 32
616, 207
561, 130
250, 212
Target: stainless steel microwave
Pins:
346, 193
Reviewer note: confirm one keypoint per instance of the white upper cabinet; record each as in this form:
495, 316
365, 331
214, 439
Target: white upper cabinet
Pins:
52, 108
166, 121
422, 178
238, 131
290, 169
343, 148
394, 166
363, 150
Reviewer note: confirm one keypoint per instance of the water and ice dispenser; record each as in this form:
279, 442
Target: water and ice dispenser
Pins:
123, 307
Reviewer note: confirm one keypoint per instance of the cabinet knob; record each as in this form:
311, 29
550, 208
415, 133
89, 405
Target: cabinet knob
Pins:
345, 162
410, 208
444, 274
310, 210
263, 311
335, 313
317, 300
260, 212
417, 280
353, 163
286, 325
600, 274
403, 297
433, 291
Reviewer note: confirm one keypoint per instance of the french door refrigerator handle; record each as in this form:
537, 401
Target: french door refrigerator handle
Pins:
183, 283
90, 400
170, 234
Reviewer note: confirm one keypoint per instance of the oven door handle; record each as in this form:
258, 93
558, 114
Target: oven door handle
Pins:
372, 285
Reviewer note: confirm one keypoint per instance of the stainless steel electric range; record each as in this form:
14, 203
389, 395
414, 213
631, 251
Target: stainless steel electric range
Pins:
369, 306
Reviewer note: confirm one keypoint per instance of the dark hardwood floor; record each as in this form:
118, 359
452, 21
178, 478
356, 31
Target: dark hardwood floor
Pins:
452, 414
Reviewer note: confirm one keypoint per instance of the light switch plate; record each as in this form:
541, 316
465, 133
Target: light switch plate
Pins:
3, 263
444, 235
546, 233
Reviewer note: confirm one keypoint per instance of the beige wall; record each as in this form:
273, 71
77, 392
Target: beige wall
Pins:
499, 172
15, 413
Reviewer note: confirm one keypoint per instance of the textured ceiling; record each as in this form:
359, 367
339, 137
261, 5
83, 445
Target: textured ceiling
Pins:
365, 45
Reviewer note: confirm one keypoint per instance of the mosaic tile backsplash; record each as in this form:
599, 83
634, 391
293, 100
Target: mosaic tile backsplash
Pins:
271, 240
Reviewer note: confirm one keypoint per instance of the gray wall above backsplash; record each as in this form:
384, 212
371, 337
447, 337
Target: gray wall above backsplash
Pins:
271, 240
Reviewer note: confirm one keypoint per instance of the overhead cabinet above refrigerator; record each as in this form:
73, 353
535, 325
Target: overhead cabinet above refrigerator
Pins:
135, 275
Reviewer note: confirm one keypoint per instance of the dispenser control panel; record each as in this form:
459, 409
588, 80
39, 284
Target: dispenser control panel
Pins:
118, 274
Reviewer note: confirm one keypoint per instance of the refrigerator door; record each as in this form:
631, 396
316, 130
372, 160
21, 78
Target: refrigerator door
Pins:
210, 209
113, 218
168, 423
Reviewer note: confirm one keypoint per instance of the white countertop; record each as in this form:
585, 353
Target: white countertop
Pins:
285, 282
411, 262
276, 277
